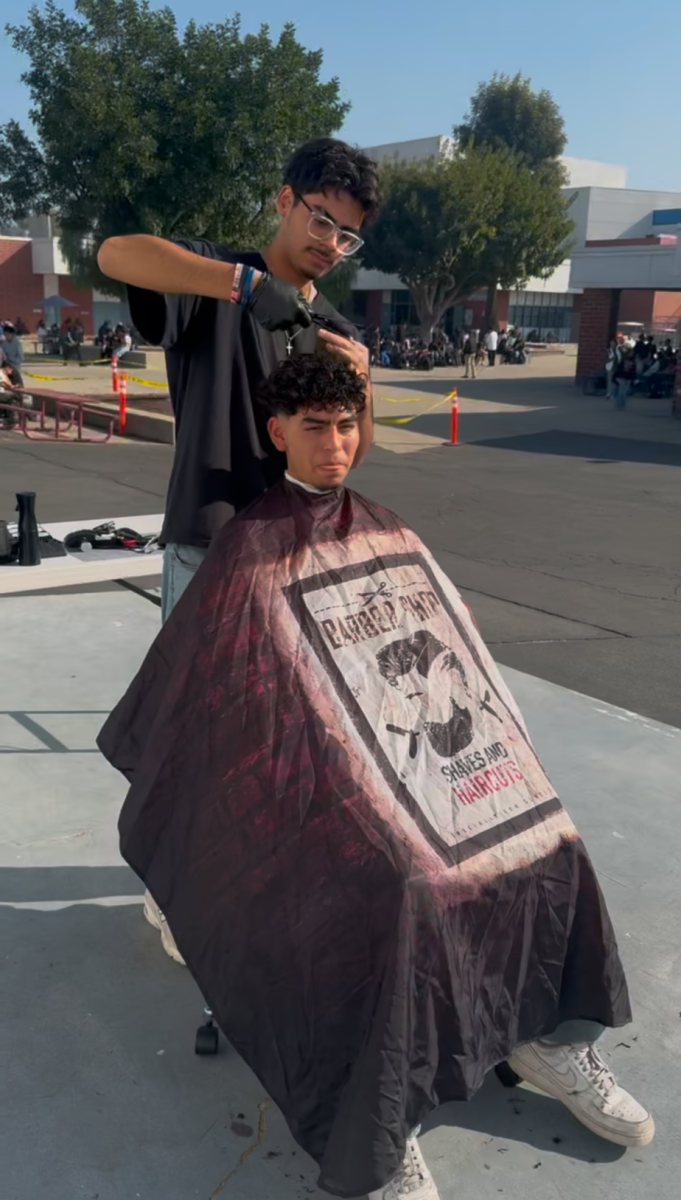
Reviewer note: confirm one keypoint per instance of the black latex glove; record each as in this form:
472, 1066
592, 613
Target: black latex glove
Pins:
278, 305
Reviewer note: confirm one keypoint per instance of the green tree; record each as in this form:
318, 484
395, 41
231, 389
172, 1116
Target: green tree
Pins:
25, 186
142, 129
436, 225
533, 236
507, 113
338, 284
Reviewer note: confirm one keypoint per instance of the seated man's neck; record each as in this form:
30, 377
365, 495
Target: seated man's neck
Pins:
308, 487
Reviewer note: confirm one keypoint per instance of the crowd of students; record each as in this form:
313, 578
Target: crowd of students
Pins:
114, 341
639, 364
468, 348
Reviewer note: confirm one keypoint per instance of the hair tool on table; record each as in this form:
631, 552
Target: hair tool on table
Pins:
109, 537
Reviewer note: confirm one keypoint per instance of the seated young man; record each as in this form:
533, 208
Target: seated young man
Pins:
335, 801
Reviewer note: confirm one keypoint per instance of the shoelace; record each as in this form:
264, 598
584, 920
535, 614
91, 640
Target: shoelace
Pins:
597, 1072
410, 1178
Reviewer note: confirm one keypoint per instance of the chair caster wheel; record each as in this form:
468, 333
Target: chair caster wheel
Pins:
207, 1035
207, 1040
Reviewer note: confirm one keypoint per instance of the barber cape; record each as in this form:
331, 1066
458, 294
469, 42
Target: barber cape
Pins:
335, 802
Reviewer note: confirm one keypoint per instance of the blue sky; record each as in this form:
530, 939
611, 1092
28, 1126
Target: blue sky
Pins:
410, 69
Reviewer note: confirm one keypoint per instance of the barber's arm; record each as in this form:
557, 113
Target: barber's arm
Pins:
357, 356
144, 261
152, 263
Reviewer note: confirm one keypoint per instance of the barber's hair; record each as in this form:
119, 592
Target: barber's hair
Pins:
329, 165
320, 382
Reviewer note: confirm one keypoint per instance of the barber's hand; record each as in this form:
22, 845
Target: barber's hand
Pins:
278, 305
355, 354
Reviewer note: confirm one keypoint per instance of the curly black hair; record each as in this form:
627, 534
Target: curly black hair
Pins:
321, 382
329, 165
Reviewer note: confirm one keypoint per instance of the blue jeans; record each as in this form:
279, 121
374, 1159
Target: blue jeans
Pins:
571, 1032
623, 391
180, 564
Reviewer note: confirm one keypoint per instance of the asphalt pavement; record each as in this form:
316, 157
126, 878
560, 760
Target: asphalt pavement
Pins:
557, 517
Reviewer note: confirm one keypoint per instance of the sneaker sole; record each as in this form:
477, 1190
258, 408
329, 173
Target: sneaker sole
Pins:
643, 1135
167, 940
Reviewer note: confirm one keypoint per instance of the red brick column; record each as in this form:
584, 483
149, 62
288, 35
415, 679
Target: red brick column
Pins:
598, 324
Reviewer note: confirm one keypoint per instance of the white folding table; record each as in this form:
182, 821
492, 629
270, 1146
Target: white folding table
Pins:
86, 566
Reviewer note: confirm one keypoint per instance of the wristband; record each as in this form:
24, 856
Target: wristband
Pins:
246, 280
236, 285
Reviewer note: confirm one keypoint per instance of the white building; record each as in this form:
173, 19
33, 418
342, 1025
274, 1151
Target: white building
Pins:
598, 191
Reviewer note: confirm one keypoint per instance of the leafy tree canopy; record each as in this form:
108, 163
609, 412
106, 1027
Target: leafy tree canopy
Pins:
507, 113
338, 284
449, 225
141, 129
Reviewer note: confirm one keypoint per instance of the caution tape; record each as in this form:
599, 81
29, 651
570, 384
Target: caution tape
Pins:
393, 420
81, 378
55, 378
146, 382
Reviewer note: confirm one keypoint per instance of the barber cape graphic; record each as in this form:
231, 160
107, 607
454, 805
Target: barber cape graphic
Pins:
335, 801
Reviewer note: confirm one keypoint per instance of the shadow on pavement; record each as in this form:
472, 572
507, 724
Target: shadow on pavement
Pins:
520, 389
595, 447
522, 1115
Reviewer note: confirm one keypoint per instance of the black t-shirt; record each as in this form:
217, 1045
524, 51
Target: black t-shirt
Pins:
216, 357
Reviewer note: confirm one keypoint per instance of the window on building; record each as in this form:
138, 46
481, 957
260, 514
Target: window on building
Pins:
402, 311
542, 315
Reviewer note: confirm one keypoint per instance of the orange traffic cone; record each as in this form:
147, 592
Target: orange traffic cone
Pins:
114, 373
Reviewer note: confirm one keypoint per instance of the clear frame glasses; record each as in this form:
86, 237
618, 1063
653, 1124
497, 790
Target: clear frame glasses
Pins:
322, 229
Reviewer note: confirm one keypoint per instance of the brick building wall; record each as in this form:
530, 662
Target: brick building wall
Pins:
637, 306
503, 305
82, 298
667, 307
598, 324
20, 289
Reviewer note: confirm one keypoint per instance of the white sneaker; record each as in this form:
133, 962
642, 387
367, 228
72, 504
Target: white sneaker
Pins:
156, 918
413, 1181
578, 1076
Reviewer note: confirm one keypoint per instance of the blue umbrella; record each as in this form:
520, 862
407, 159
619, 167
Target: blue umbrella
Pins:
54, 302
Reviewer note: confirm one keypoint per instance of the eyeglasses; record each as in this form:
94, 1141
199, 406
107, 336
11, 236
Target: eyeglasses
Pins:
322, 229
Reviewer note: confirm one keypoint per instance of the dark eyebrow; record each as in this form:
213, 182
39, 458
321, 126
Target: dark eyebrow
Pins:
351, 417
